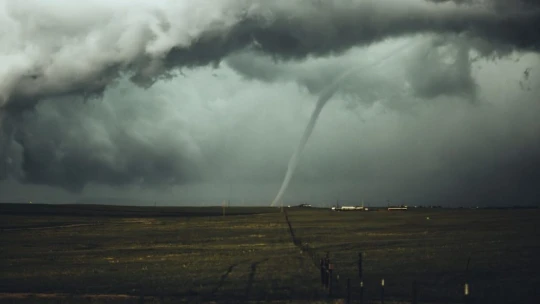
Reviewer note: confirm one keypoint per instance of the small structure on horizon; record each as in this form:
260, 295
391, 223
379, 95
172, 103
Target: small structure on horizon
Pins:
350, 208
400, 208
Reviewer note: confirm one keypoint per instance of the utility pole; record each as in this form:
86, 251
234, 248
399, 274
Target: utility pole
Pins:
230, 192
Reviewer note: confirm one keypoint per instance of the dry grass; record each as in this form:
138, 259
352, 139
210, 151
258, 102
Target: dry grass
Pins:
250, 257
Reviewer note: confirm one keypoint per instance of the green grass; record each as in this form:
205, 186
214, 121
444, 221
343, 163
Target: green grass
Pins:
191, 255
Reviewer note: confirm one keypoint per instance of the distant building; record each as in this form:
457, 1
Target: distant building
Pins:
349, 208
400, 208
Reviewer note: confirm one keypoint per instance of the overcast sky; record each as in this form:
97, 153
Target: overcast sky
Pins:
196, 102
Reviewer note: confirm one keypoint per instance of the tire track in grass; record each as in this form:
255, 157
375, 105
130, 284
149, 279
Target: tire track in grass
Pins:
223, 278
252, 276
305, 251
304, 248
50, 227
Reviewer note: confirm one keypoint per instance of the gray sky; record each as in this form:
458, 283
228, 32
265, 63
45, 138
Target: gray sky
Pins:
195, 102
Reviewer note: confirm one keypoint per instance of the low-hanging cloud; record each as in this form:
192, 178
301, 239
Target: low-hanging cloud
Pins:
68, 143
57, 55
233, 137
57, 48
442, 67
437, 66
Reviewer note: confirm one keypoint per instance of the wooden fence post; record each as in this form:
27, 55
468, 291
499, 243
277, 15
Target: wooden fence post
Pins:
330, 269
326, 266
466, 295
466, 292
414, 293
361, 292
360, 270
322, 273
382, 291
348, 290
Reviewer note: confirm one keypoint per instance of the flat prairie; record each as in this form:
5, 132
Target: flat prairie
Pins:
117, 254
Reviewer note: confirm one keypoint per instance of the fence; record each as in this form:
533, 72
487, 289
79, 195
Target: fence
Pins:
354, 288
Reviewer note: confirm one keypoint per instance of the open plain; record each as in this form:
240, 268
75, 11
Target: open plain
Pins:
110, 254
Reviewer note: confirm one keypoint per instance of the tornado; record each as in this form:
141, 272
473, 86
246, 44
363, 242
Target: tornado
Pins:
325, 96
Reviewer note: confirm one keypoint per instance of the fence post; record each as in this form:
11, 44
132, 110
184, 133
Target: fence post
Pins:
326, 266
322, 273
361, 292
382, 291
360, 265
466, 295
325, 275
330, 268
414, 293
348, 290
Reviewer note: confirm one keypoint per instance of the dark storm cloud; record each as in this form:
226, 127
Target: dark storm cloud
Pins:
284, 29
6, 137
497, 4
448, 152
403, 149
64, 53
437, 66
66, 143
47, 160
431, 76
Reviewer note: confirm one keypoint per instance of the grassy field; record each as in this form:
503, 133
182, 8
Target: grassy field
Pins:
401, 247
105, 254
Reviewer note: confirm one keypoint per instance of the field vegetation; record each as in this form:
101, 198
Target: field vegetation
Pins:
108, 254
